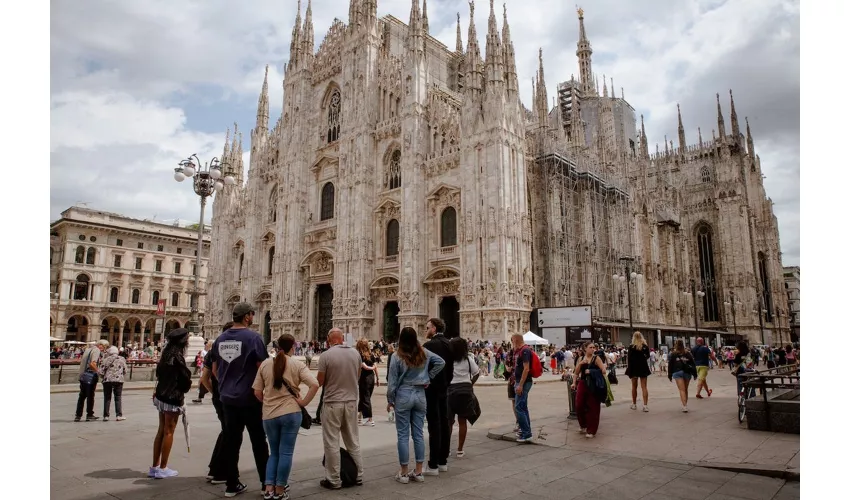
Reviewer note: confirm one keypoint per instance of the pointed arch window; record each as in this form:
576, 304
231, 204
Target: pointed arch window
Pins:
90, 254
155, 297
705, 174
137, 295
113, 294
81, 287
334, 114
392, 179
766, 299
273, 205
392, 238
241, 262
175, 299
327, 209
705, 249
80, 255
271, 260
448, 227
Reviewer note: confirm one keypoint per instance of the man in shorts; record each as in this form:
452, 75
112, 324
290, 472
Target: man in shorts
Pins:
702, 355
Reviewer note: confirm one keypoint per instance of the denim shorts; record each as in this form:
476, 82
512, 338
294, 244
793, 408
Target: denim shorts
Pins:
681, 374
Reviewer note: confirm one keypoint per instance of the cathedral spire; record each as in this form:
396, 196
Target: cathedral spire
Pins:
473, 54
733, 116
493, 57
459, 42
644, 146
584, 52
295, 44
699, 132
425, 16
510, 56
263, 107
226, 153
613, 96
682, 143
750, 144
604, 86
721, 124
308, 45
542, 97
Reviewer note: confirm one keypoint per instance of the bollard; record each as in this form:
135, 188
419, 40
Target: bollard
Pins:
571, 397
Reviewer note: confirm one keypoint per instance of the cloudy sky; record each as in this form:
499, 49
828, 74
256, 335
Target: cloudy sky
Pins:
136, 86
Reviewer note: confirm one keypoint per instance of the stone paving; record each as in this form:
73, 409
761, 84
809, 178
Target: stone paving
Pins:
109, 460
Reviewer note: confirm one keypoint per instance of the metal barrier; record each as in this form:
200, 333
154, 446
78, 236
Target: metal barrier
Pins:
571, 397
766, 380
131, 363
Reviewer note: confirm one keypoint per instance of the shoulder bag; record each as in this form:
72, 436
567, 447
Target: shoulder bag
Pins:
306, 419
89, 376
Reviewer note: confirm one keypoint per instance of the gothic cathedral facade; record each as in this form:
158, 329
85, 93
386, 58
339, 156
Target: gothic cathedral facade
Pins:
405, 180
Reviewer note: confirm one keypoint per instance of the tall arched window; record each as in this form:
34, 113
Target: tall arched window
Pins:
175, 299
271, 260
241, 261
705, 174
113, 294
327, 209
90, 255
80, 255
392, 179
392, 238
155, 297
273, 205
137, 294
767, 299
705, 249
448, 227
334, 109
81, 287
51, 255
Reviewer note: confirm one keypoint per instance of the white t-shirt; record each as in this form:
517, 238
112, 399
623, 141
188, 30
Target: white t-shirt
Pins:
461, 370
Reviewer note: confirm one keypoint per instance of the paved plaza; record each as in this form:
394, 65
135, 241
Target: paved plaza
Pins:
635, 455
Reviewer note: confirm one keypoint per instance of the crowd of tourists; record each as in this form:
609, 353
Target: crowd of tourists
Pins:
259, 389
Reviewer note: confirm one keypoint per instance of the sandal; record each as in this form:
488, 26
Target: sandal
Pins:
459, 453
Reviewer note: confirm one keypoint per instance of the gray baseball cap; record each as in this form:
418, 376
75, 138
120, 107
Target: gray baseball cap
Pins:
242, 309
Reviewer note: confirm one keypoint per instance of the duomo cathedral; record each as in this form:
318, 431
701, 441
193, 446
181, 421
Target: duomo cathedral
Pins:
405, 179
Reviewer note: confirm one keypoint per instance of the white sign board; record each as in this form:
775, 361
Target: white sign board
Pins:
160, 323
349, 340
555, 336
564, 316
585, 334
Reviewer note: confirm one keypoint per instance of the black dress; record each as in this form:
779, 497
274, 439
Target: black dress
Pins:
637, 362
366, 386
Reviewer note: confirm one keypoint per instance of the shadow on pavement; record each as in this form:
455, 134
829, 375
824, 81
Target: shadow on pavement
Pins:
117, 474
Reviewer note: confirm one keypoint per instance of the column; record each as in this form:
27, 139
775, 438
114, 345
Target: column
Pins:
311, 311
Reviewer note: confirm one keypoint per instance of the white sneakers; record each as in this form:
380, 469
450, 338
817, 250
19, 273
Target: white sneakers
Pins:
430, 472
684, 409
633, 407
157, 473
645, 409
402, 478
443, 468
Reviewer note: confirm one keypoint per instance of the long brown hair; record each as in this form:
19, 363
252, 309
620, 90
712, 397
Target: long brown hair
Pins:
679, 347
409, 350
284, 345
363, 349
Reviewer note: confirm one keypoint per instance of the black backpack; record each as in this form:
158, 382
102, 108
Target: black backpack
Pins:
347, 468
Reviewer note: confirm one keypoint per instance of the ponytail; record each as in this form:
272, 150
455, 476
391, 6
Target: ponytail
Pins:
284, 345
278, 369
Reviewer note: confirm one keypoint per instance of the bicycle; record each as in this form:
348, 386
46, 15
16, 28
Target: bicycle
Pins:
743, 394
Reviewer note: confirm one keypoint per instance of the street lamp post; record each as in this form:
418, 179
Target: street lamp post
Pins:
694, 293
761, 313
627, 276
733, 303
205, 181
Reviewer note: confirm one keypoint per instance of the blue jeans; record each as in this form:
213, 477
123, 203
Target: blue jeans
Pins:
281, 432
521, 407
410, 413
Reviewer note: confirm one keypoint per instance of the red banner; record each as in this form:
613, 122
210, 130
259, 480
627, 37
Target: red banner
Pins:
160, 307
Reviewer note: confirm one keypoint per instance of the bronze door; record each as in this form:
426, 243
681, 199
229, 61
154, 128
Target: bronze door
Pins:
324, 312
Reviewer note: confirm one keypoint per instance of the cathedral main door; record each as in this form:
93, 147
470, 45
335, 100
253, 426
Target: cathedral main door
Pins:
324, 312
391, 326
267, 327
450, 314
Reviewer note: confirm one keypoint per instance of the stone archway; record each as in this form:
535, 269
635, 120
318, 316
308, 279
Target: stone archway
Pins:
318, 267
110, 329
77, 329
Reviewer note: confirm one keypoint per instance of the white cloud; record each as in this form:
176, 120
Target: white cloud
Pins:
125, 74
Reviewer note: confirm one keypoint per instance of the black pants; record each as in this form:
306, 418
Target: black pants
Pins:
439, 439
366, 387
236, 420
321, 401
217, 461
202, 391
110, 388
87, 397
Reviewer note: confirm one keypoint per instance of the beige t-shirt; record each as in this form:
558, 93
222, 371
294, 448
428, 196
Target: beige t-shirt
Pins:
341, 366
278, 402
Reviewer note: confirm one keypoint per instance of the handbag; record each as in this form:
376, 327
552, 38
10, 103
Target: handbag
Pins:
306, 419
89, 376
